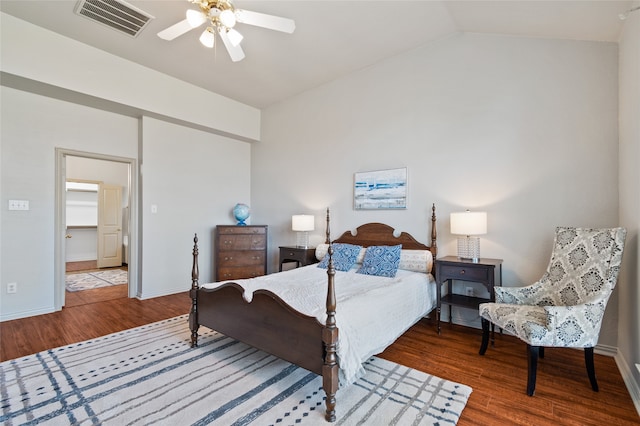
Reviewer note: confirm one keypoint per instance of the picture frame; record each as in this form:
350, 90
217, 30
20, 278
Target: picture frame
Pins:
380, 189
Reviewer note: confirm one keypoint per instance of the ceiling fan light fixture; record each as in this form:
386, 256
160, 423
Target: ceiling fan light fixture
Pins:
195, 18
227, 18
234, 37
221, 16
208, 38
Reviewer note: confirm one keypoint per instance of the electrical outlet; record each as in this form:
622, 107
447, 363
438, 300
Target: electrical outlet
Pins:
470, 291
12, 288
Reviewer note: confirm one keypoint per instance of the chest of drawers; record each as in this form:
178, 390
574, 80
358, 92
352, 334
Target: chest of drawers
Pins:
240, 252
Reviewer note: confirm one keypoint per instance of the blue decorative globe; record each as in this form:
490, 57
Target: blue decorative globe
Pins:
241, 212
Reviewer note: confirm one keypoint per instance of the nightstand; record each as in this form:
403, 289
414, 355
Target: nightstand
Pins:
452, 268
302, 256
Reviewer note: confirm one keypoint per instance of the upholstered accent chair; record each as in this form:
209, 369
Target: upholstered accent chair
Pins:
565, 307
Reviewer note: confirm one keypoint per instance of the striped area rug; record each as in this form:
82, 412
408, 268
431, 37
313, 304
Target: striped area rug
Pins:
150, 375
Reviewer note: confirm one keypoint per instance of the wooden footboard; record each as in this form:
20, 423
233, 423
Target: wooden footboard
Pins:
267, 323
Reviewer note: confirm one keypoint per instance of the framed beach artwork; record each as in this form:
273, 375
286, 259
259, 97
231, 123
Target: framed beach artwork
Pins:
380, 189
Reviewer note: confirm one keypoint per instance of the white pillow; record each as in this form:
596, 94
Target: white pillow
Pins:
322, 249
416, 260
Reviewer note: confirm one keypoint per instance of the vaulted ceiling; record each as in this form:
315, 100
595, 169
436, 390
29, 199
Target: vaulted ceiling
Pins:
332, 38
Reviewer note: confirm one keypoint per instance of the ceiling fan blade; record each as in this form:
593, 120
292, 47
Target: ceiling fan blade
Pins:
271, 22
176, 30
236, 52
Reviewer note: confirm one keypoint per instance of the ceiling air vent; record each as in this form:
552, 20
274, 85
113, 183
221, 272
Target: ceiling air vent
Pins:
119, 15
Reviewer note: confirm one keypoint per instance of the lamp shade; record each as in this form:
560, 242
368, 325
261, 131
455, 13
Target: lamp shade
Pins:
208, 38
469, 223
302, 222
195, 18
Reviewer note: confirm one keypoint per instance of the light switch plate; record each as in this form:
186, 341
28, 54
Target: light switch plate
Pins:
18, 204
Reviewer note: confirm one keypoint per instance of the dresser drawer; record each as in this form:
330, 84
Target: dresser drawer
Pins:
242, 242
469, 273
242, 230
238, 273
241, 258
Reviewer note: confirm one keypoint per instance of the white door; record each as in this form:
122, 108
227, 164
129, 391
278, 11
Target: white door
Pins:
109, 226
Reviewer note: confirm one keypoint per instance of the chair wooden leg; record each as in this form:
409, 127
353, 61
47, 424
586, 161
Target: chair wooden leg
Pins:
591, 370
532, 361
485, 336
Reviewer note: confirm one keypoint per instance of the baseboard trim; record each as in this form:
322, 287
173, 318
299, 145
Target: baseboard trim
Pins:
82, 257
629, 380
606, 350
147, 295
25, 314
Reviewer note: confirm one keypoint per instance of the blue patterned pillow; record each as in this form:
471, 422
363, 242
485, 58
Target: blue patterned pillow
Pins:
344, 257
382, 261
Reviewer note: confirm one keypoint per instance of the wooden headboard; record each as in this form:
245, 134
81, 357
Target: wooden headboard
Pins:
377, 234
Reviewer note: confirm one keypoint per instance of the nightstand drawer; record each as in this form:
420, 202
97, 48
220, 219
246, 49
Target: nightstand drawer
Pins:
302, 256
468, 273
293, 254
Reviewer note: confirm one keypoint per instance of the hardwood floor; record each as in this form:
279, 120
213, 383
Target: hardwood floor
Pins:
84, 265
563, 394
76, 298
74, 324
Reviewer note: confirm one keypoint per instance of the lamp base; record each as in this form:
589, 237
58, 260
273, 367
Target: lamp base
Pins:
469, 248
302, 239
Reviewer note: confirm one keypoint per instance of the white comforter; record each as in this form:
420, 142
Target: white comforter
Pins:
371, 312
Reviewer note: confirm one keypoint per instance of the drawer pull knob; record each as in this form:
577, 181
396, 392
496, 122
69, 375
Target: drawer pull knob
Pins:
462, 272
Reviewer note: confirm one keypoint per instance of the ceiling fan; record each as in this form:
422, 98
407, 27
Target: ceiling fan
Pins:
221, 17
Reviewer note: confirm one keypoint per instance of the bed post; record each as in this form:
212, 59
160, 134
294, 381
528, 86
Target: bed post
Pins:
330, 338
433, 246
193, 293
327, 238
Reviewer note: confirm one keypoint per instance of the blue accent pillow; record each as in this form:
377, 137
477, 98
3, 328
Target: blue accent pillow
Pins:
382, 261
344, 257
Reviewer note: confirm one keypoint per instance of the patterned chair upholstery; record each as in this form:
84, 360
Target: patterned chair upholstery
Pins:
566, 306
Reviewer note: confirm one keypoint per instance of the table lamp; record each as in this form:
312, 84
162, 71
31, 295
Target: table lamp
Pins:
302, 224
469, 223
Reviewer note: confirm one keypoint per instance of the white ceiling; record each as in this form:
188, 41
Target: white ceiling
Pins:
332, 38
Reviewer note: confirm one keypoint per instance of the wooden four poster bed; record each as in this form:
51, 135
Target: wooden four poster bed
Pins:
272, 325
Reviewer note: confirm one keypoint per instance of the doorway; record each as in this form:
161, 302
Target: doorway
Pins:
95, 233
96, 228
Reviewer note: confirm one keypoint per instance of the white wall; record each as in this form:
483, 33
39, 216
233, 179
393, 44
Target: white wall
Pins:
46, 105
629, 282
32, 127
525, 129
194, 179
43, 56
110, 172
